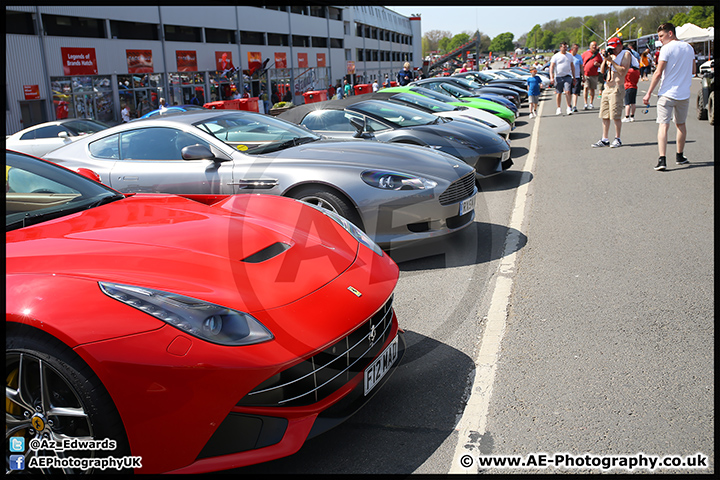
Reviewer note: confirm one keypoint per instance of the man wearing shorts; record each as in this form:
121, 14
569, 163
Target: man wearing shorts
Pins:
674, 72
591, 61
562, 73
616, 62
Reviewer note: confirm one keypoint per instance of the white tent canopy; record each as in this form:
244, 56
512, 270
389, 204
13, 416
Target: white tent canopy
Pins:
691, 33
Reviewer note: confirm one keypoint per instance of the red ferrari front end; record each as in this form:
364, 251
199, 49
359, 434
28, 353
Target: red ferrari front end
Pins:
225, 334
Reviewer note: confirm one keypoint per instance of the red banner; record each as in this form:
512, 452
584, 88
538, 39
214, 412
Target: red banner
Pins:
139, 61
320, 59
32, 92
78, 61
186, 60
223, 61
302, 60
254, 61
280, 60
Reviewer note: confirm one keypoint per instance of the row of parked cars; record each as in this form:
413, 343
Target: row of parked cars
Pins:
143, 291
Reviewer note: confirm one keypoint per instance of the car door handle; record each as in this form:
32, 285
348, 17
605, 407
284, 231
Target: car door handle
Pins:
129, 179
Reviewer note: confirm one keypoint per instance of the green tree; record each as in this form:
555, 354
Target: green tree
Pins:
502, 43
459, 39
547, 40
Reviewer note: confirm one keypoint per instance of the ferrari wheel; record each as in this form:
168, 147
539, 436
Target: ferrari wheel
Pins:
53, 399
329, 200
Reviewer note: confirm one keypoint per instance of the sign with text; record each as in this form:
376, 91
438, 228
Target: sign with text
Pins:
302, 60
186, 60
32, 92
78, 61
320, 59
254, 61
139, 61
280, 60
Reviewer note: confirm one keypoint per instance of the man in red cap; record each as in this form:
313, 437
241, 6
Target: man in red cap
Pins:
615, 65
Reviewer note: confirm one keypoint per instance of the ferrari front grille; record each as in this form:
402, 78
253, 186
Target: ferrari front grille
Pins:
460, 189
317, 377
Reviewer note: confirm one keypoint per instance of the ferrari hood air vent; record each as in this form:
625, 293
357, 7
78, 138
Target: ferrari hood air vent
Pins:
267, 253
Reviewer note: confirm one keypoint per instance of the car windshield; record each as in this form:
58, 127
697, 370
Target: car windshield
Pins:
440, 97
254, 133
37, 191
423, 102
399, 115
84, 126
468, 83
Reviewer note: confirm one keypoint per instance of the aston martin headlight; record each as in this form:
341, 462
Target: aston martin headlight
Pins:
201, 319
396, 181
350, 227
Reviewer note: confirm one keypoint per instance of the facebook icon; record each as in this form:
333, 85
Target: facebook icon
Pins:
17, 462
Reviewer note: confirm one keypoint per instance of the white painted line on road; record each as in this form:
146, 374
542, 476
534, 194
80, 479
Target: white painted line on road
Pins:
472, 424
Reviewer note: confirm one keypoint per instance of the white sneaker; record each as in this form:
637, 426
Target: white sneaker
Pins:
586, 107
632, 119
625, 120
558, 111
569, 110
590, 106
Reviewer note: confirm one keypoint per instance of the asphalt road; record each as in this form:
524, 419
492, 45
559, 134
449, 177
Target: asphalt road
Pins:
608, 340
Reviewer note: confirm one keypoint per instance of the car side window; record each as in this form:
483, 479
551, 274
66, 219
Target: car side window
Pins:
106, 147
156, 143
370, 124
51, 131
28, 136
332, 120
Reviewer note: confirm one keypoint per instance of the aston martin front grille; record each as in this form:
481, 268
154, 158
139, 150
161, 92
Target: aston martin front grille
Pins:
324, 373
458, 190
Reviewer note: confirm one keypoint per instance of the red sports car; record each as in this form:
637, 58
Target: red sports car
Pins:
164, 333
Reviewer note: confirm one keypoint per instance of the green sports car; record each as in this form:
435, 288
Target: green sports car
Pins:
487, 105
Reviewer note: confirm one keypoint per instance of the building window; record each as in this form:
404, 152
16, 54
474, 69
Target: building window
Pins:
133, 30
317, 12
319, 42
252, 38
217, 35
83, 97
334, 13
278, 39
300, 41
359, 55
271, 7
336, 43
299, 10
346, 28
358, 30
64, 26
181, 33
133, 89
19, 23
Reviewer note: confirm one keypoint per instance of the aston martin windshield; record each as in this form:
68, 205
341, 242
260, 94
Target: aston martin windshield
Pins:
396, 114
256, 134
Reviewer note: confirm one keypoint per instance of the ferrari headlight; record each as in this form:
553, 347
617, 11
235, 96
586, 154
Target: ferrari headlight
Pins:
396, 181
200, 319
350, 227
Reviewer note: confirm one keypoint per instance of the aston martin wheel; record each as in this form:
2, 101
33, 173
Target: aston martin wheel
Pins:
53, 400
325, 198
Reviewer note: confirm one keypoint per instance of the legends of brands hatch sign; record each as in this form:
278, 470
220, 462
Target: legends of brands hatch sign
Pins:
79, 61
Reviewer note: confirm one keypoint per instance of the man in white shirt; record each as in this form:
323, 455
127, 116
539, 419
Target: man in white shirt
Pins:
562, 73
674, 72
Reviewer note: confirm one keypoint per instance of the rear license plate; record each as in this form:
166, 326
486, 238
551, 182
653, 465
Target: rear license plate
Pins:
467, 205
377, 370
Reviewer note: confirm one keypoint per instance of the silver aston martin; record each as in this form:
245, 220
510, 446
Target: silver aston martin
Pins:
396, 193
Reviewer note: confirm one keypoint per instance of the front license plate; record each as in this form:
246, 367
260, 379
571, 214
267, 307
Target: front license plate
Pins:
467, 205
377, 370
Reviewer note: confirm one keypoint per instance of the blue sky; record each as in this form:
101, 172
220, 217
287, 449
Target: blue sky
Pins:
493, 20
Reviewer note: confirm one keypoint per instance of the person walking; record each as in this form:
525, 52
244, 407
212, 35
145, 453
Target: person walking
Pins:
533, 84
644, 64
347, 88
386, 82
576, 88
562, 73
616, 62
591, 62
631, 87
674, 72
404, 76
375, 86
125, 113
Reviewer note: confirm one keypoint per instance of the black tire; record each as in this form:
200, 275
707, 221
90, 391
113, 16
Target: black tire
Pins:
330, 200
70, 402
711, 108
702, 113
